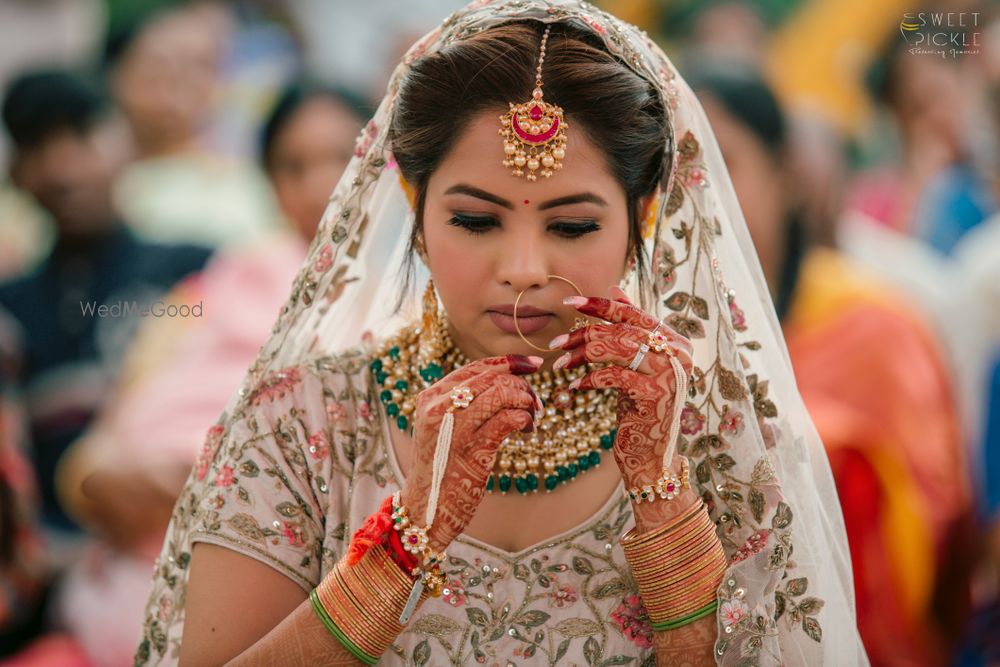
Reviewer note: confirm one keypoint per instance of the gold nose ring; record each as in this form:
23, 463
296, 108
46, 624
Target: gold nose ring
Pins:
517, 327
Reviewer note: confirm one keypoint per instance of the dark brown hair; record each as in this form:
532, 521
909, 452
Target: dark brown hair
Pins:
617, 109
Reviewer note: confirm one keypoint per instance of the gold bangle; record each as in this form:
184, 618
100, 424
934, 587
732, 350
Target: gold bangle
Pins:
662, 558
633, 539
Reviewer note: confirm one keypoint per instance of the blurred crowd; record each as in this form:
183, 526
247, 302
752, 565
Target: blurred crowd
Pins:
166, 164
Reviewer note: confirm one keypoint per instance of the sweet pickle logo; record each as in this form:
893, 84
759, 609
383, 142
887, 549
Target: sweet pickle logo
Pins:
942, 34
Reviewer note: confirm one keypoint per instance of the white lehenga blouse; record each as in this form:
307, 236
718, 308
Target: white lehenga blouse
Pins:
312, 459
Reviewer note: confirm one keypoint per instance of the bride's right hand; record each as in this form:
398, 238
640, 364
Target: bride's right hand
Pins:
502, 403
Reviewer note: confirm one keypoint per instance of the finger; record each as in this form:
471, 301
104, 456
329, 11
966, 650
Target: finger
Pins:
612, 311
632, 384
680, 345
497, 397
579, 336
613, 333
619, 350
490, 391
618, 294
505, 422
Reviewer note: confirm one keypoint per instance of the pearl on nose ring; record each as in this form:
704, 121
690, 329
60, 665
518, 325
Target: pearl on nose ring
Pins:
517, 327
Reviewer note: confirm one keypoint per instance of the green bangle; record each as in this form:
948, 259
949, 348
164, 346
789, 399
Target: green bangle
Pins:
337, 633
684, 620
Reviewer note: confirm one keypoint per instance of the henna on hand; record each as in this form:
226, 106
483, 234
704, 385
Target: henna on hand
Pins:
502, 403
646, 395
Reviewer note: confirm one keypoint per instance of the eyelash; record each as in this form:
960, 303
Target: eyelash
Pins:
482, 224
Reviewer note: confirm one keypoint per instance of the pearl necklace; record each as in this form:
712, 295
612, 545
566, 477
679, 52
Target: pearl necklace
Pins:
573, 429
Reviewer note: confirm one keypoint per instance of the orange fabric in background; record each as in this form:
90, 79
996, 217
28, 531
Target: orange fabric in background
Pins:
875, 384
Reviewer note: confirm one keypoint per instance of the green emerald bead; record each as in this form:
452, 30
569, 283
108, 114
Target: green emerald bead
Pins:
584, 462
394, 352
489, 484
392, 410
521, 484
595, 458
613, 434
572, 469
434, 371
376, 365
551, 482
607, 442
504, 483
381, 376
562, 473
402, 385
402, 422
386, 395
532, 481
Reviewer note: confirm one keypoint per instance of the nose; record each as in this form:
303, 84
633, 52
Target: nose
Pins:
522, 263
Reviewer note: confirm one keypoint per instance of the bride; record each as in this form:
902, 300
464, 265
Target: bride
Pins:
583, 445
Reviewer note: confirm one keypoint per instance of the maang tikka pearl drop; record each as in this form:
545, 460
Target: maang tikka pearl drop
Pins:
534, 132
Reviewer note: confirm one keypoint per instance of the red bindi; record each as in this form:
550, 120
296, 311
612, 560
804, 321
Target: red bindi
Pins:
525, 201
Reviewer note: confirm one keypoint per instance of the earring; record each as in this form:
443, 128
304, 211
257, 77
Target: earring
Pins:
630, 265
431, 343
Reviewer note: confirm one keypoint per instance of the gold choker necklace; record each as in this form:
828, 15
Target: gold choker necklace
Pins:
573, 429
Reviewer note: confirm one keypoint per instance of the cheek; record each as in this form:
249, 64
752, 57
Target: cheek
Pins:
459, 263
597, 262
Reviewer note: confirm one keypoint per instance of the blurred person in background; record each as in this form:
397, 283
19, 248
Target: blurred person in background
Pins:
934, 191
123, 476
873, 380
22, 571
164, 73
978, 297
66, 155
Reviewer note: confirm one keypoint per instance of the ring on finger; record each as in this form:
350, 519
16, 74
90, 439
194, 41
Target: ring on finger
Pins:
461, 397
639, 355
659, 341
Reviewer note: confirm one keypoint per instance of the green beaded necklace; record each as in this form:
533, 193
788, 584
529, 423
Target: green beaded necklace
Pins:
572, 431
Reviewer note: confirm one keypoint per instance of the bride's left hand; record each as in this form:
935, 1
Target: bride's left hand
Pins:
646, 395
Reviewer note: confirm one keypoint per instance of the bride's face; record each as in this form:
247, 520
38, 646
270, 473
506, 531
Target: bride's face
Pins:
490, 235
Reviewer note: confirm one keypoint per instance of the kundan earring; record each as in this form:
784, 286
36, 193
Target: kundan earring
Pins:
534, 132
431, 346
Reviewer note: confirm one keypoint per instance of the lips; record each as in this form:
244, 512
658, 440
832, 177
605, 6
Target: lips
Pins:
529, 318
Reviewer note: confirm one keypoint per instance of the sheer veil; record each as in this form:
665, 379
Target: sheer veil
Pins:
788, 596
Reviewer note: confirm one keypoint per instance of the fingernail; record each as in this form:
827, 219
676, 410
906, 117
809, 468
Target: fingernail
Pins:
538, 404
561, 362
522, 365
575, 384
558, 341
575, 300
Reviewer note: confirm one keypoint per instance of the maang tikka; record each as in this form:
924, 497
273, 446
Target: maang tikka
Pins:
534, 132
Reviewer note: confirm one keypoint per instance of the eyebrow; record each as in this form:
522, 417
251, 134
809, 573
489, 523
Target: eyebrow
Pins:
583, 197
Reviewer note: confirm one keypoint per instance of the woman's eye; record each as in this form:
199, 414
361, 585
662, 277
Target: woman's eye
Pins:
574, 230
474, 224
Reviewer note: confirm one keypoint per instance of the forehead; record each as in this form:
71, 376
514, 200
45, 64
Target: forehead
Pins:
477, 155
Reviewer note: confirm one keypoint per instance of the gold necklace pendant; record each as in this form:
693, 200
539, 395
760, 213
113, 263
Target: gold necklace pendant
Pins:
571, 432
